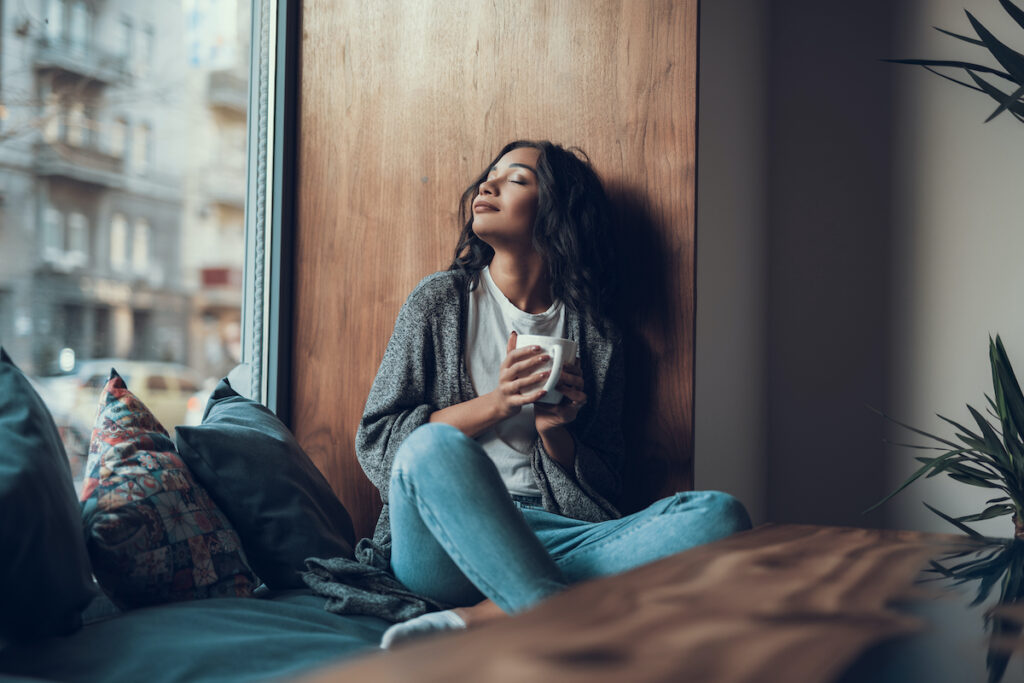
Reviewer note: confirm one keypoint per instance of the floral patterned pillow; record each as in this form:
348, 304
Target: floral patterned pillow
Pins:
153, 534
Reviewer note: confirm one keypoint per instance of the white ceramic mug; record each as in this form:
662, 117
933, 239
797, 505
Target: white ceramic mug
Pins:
562, 351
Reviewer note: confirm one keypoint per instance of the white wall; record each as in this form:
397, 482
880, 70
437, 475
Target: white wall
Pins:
860, 233
958, 265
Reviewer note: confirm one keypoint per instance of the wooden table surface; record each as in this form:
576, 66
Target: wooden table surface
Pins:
794, 603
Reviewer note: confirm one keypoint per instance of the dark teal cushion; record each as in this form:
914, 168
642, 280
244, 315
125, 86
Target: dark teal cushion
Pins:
44, 568
281, 506
217, 640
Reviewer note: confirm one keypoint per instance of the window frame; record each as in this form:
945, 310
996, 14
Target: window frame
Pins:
269, 209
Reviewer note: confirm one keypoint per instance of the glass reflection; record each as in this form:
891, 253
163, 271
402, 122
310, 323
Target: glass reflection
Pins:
997, 562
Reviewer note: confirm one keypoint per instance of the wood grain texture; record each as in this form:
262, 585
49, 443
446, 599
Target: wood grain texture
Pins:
778, 603
402, 103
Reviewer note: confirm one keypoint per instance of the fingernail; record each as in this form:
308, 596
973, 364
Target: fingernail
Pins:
535, 348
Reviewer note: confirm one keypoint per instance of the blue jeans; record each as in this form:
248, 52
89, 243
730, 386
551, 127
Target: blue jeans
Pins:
458, 536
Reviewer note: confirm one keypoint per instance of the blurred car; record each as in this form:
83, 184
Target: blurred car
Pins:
196, 404
73, 399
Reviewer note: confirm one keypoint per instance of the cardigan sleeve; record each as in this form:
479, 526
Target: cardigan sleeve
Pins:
588, 492
398, 402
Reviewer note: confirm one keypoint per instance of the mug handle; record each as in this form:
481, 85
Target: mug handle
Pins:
556, 368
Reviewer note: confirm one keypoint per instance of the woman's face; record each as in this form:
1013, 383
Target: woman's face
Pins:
506, 203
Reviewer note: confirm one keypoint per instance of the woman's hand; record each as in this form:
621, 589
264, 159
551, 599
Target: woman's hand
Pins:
548, 416
516, 373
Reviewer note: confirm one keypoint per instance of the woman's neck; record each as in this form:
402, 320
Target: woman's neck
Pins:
524, 282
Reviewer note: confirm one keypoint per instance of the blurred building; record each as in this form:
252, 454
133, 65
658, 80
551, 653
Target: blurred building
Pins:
122, 180
217, 44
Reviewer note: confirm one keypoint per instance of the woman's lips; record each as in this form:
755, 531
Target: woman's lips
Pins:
480, 206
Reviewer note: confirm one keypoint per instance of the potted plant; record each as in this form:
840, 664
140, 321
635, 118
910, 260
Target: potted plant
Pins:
991, 457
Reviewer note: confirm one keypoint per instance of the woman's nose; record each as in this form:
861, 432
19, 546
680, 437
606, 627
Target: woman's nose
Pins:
487, 187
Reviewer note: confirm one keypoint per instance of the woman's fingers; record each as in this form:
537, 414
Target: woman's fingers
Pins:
516, 355
523, 399
522, 367
530, 381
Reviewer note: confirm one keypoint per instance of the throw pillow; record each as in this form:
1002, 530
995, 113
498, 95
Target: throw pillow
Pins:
44, 568
153, 533
255, 470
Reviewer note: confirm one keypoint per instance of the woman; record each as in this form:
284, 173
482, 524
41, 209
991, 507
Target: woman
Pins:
493, 502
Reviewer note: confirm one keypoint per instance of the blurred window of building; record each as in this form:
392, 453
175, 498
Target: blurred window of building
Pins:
118, 241
81, 25
140, 148
123, 37
52, 118
76, 124
53, 235
78, 239
118, 137
142, 56
55, 20
140, 246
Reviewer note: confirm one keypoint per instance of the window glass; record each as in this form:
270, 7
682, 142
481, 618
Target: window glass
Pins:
129, 245
76, 124
123, 37
140, 148
78, 239
55, 20
51, 118
80, 25
118, 241
118, 137
53, 234
140, 246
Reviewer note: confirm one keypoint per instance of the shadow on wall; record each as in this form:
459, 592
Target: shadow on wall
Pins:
642, 272
829, 134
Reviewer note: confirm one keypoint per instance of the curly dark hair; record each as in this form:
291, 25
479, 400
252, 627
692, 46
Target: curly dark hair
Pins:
572, 230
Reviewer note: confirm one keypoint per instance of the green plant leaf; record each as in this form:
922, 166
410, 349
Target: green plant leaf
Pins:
973, 440
963, 527
912, 479
970, 480
966, 39
1013, 11
992, 441
970, 66
1008, 385
950, 78
1011, 60
915, 429
995, 93
997, 500
1006, 103
988, 513
967, 470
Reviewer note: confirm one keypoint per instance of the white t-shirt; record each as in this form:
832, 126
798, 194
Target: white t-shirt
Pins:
490, 320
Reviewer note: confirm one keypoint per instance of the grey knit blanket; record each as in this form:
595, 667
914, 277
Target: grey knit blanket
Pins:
365, 586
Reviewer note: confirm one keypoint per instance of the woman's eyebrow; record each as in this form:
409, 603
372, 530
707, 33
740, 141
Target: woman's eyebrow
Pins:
529, 168
512, 165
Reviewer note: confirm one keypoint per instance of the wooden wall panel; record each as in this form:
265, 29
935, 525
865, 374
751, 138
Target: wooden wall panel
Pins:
402, 103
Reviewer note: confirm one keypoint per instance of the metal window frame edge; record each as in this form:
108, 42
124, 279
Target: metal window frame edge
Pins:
264, 374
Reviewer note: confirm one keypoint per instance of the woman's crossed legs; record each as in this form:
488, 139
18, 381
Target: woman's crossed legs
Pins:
457, 537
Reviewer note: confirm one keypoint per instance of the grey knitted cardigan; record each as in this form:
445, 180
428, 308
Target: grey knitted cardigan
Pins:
423, 371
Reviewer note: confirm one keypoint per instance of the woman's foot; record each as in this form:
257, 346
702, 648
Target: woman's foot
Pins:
423, 625
436, 622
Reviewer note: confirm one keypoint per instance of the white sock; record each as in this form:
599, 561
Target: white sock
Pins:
432, 622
